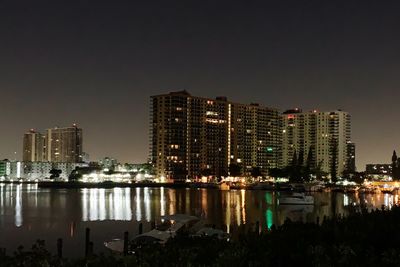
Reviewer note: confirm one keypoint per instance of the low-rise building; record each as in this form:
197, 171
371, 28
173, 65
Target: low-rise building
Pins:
378, 171
35, 170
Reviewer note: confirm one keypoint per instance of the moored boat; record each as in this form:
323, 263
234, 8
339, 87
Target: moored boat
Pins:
173, 225
296, 199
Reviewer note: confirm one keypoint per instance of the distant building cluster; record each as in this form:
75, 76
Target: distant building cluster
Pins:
56, 145
56, 149
379, 171
31, 171
317, 133
194, 136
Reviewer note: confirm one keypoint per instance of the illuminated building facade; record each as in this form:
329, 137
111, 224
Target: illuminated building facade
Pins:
64, 144
57, 145
351, 157
321, 132
194, 136
255, 137
379, 171
33, 147
5, 168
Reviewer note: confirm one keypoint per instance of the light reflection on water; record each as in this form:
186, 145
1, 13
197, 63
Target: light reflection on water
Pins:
28, 212
101, 204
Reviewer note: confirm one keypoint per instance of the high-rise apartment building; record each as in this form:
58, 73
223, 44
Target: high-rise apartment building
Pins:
351, 157
193, 136
326, 134
64, 144
255, 137
57, 145
33, 147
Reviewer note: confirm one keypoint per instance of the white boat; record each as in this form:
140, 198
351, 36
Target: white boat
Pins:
211, 232
296, 199
172, 225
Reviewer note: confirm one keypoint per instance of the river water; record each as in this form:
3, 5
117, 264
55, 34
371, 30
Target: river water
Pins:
28, 213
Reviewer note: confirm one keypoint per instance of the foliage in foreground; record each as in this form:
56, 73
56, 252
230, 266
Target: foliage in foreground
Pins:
362, 239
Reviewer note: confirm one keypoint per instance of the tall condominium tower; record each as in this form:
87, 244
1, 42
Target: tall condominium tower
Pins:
193, 136
33, 147
326, 134
351, 157
255, 137
64, 144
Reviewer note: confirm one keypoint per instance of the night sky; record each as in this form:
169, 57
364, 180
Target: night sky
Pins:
97, 62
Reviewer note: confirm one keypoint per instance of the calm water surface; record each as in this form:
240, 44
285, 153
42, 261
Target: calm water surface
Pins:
28, 213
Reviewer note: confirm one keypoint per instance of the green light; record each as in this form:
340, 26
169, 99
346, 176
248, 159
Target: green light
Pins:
270, 149
269, 218
268, 198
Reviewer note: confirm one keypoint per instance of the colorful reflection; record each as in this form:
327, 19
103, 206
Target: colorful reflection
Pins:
29, 205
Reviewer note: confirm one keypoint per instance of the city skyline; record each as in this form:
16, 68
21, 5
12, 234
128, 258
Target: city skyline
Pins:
147, 157
97, 65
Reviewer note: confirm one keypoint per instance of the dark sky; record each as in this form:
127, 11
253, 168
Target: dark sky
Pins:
97, 62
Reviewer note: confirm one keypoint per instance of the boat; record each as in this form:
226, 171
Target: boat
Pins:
263, 186
314, 187
296, 199
224, 186
211, 232
171, 226
351, 189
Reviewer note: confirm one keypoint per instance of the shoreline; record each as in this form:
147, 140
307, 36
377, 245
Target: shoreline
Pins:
107, 185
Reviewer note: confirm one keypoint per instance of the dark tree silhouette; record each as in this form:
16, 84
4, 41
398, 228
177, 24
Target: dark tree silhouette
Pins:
294, 159
300, 160
334, 151
307, 168
206, 172
54, 173
278, 173
256, 172
395, 167
235, 169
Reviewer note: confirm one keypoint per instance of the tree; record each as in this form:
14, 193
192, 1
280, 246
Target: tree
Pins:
294, 170
256, 172
395, 167
294, 159
307, 168
318, 171
277, 173
55, 173
235, 170
206, 172
334, 151
179, 173
300, 160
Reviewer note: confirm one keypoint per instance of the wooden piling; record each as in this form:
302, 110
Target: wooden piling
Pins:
59, 248
87, 242
90, 248
126, 243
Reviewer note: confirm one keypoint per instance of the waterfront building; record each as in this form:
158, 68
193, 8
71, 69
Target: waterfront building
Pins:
108, 163
5, 168
16, 170
33, 146
194, 136
379, 171
351, 157
255, 137
85, 157
326, 134
64, 144
39, 170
